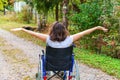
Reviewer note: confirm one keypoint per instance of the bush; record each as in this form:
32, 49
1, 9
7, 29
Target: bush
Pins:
22, 17
94, 13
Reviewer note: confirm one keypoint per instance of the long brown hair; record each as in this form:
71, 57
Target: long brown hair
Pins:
58, 32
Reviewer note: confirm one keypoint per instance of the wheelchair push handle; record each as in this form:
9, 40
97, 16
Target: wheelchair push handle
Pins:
43, 52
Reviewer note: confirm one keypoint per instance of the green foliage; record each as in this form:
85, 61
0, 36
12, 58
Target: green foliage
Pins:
21, 17
10, 8
105, 13
45, 5
24, 15
90, 14
113, 36
3, 3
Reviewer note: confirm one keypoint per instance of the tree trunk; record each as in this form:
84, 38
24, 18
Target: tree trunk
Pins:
119, 32
60, 11
4, 11
38, 22
43, 21
65, 11
56, 12
31, 13
35, 15
28, 15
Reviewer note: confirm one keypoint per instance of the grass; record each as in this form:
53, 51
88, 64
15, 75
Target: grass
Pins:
7, 25
103, 62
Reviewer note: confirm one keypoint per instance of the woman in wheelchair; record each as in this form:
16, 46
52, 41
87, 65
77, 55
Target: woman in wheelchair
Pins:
59, 52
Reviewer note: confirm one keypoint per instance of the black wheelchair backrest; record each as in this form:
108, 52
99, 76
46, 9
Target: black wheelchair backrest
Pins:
58, 59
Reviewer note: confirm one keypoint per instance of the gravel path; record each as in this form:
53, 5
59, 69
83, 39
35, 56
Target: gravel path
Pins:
11, 70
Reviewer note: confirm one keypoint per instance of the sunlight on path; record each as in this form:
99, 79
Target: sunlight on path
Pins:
4, 69
21, 60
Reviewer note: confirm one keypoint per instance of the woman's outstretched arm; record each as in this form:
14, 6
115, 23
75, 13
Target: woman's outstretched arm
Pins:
41, 36
77, 36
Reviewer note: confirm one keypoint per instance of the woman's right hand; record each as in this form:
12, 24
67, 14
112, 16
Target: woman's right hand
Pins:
17, 29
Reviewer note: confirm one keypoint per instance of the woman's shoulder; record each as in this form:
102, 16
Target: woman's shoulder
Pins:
70, 37
67, 42
67, 38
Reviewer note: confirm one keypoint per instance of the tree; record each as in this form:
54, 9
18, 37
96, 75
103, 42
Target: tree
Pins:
43, 6
3, 4
65, 11
31, 6
56, 12
11, 2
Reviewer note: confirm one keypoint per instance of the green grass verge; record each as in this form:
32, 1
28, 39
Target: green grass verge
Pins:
105, 63
7, 25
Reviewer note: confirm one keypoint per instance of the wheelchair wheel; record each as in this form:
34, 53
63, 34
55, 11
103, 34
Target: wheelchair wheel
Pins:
76, 74
39, 74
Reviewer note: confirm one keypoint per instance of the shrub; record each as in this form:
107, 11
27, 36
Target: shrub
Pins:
95, 13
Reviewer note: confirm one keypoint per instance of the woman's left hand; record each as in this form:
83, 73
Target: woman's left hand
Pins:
102, 28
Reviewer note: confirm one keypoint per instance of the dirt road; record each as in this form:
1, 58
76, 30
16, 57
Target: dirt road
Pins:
19, 60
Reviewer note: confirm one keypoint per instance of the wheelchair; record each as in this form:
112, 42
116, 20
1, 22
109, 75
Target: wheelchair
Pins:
58, 62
